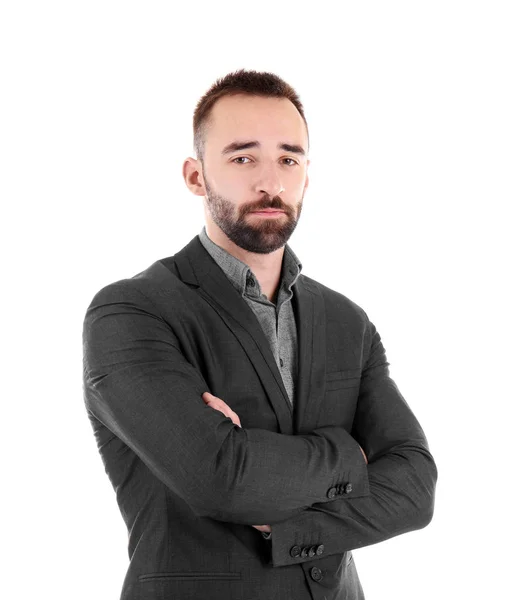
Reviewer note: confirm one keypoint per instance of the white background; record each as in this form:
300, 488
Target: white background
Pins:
412, 112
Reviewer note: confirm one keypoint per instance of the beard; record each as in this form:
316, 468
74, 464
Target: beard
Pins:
265, 234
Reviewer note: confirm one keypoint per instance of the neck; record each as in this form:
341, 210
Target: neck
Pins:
265, 267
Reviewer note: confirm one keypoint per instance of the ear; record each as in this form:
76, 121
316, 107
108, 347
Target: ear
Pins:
193, 176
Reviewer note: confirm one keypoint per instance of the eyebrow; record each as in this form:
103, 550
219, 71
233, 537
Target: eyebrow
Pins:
236, 146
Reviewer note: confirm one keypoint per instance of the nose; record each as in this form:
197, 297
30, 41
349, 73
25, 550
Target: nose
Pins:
269, 182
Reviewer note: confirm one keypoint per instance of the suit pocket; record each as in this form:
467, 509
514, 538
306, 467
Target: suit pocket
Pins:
337, 380
340, 398
190, 576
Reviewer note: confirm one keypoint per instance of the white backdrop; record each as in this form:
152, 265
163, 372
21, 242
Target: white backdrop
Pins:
412, 113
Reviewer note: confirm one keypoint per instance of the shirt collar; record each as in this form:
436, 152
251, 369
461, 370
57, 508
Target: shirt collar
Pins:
240, 274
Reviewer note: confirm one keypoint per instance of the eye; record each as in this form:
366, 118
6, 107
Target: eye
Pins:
293, 162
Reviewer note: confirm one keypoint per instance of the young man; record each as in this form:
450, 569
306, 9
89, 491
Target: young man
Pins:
244, 412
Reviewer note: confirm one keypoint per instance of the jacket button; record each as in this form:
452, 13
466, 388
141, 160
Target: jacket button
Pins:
304, 552
331, 492
348, 488
295, 551
312, 551
320, 549
316, 574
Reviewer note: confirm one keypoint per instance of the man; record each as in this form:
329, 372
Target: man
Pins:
244, 412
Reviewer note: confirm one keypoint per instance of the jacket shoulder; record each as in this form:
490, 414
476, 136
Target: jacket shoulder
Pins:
336, 301
144, 287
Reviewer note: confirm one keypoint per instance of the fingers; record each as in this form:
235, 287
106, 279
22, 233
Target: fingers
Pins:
222, 406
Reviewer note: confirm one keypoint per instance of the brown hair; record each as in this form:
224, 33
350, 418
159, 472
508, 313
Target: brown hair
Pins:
242, 81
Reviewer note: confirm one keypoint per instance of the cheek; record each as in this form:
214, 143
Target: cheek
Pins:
299, 188
237, 190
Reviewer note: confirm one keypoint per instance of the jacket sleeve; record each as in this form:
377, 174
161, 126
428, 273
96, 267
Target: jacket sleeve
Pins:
402, 476
137, 382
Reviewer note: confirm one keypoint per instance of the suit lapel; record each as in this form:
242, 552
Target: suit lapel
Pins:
196, 267
311, 328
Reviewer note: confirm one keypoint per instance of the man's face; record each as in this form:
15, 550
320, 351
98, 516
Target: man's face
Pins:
241, 181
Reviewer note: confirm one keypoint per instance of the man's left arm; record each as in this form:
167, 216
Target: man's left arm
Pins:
402, 476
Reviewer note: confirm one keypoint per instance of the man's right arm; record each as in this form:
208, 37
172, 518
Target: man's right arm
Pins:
138, 383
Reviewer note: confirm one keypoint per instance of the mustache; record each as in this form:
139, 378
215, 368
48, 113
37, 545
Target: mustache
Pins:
275, 202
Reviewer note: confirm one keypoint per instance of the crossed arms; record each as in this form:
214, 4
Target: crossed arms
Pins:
138, 384
223, 407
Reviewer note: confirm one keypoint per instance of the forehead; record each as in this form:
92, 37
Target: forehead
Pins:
255, 117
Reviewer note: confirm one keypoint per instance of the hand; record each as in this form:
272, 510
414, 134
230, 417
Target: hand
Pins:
364, 456
219, 404
266, 528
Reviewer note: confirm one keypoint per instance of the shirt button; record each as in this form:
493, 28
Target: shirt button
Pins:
282, 362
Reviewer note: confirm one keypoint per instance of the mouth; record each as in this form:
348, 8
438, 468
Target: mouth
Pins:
268, 212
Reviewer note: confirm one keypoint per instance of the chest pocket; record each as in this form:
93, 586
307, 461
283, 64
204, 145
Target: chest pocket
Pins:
340, 398
337, 380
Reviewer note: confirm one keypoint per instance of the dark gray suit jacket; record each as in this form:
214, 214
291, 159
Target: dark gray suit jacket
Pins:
190, 484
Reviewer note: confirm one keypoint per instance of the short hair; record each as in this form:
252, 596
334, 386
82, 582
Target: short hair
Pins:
243, 81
